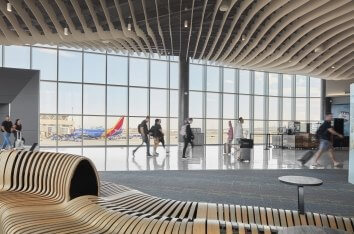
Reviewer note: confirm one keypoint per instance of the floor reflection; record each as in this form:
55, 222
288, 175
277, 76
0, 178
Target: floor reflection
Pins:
200, 158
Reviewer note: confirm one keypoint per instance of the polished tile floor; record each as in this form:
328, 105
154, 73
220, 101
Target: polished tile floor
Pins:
201, 158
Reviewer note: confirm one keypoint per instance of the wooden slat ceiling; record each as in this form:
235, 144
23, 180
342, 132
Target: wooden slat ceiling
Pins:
310, 37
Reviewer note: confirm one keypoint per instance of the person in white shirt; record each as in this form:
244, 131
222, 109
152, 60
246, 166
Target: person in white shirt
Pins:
238, 133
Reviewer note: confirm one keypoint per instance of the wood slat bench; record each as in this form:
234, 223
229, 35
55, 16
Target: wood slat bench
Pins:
42, 192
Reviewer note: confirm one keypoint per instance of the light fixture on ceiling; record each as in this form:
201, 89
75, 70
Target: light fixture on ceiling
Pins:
290, 61
186, 23
225, 5
105, 41
8, 7
319, 49
66, 31
333, 67
129, 26
243, 37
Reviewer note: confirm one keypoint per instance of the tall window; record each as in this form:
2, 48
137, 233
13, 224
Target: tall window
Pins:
86, 94
70, 66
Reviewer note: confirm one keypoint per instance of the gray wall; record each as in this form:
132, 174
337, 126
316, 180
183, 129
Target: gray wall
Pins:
25, 107
4, 110
22, 92
338, 87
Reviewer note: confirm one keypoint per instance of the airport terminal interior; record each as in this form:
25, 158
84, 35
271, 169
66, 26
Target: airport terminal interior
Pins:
177, 116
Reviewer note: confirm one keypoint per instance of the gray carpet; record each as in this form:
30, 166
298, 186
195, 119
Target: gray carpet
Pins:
244, 187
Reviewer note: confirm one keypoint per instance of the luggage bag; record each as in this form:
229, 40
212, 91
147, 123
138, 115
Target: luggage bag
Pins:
19, 144
227, 148
306, 157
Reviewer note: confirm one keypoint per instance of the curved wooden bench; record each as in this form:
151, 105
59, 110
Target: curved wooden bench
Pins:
43, 192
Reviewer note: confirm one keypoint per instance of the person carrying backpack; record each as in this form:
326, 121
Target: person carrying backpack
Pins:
157, 134
324, 133
188, 136
144, 132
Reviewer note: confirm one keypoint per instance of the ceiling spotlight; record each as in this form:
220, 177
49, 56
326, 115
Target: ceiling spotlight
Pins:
333, 67
186, 23
105, 42
8, 7
319, 49
243, 37
225, 5
129, 26
66, 31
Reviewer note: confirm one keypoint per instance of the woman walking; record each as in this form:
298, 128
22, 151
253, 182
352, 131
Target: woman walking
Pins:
230, 137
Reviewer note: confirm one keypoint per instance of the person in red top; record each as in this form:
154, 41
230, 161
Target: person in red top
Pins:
230, 133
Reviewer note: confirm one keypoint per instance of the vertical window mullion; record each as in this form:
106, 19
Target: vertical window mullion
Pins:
221, 105
308, 99
168, 127
251, 107
280, 101
128, 100
57, 122
82, 97
105, 130
293, 100
266, 104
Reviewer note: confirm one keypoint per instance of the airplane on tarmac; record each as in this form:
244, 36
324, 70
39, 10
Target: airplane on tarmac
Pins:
95, 133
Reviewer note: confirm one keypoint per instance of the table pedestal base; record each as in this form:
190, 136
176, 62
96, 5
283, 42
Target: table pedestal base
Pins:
300, 200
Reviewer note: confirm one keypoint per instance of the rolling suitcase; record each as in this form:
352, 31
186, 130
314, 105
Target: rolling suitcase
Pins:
227, 148
245, 149
306, 157
19, 142
245, 154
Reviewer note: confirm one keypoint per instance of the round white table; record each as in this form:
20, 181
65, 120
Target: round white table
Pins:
300, 182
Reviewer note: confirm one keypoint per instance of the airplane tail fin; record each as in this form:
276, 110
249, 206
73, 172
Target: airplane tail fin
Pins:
118, 126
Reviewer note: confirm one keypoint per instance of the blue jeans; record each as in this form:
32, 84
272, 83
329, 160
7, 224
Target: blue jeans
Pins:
325, 145
6, 140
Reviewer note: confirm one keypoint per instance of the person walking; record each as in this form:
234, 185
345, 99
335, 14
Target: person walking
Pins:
17, 130
230, 136
6, 128
188, 137
157, 134
144, 132
324, 133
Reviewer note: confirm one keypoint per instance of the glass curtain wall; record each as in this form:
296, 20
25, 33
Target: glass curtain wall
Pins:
266, 101
98, 98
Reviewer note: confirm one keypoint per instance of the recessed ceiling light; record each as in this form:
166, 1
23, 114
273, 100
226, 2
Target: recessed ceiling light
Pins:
290, 61
66, 31
225, 5
129, 26
243, 37
319, 49
8, 7
106, 42
333, 67
186, 23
